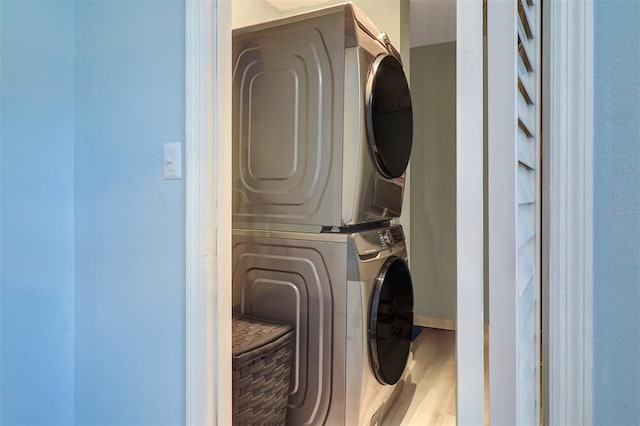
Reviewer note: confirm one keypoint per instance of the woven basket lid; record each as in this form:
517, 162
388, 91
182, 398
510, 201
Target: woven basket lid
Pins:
249, 333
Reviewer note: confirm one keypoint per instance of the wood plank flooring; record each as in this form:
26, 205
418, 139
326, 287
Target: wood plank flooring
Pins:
428, 395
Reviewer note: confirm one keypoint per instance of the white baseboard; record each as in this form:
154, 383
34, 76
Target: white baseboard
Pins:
443, 324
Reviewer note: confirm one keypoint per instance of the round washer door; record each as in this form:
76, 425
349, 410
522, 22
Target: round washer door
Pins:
391, 321
389, 116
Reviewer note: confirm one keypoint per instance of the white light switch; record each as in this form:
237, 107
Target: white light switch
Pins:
172, 160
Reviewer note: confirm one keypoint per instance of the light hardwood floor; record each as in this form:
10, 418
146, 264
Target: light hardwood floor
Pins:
428, 395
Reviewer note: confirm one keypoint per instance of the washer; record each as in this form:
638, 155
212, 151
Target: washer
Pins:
350, 300
322, 122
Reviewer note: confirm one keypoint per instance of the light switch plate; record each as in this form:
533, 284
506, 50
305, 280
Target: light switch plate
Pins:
172, 160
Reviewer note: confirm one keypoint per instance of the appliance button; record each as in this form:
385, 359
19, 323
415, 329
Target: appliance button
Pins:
388, 238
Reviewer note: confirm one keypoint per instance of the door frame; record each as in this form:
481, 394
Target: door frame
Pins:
469, 214
567, 255
568, 212
208, 212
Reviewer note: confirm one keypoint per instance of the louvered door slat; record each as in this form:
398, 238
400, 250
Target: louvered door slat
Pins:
525, 91
526, 225
526, 188
525, 18
526, 127
525, 123
524, 48
526, 113
524, 73
527, 294
526, 149
513, 28
526, 265
527, 220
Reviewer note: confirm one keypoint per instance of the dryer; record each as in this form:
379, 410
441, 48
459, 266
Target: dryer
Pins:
322, 122
350, 300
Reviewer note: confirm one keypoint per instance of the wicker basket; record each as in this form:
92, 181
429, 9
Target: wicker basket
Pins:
262, 353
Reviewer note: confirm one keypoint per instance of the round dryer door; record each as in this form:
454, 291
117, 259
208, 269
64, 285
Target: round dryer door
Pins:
391, 321
389, 116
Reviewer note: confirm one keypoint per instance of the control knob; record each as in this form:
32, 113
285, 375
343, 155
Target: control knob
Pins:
387, 237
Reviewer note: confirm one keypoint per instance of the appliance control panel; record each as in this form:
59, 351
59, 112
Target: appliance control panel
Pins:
370, 243
389, 237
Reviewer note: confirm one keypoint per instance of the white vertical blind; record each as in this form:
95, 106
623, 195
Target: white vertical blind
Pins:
513, 29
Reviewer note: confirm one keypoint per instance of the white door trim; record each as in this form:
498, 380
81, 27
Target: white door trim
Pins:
208, 211
502, 196
469, 212
568, 212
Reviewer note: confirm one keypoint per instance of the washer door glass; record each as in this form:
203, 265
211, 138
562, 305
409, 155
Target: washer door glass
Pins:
389, 116
391, 321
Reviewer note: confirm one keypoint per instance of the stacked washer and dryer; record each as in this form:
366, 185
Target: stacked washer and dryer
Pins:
322, 133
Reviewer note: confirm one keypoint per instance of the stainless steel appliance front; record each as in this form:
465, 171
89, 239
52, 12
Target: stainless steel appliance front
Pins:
343, 301
321, 122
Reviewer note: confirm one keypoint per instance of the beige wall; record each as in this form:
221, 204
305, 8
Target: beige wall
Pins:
433, 180
388, 15
248, 12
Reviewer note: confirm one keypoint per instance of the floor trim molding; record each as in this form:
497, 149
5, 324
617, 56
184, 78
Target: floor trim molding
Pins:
440, 323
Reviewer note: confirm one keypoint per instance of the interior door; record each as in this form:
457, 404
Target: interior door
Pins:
514, 40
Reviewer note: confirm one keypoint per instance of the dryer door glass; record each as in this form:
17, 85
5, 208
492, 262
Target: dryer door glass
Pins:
391, 321
389, 116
